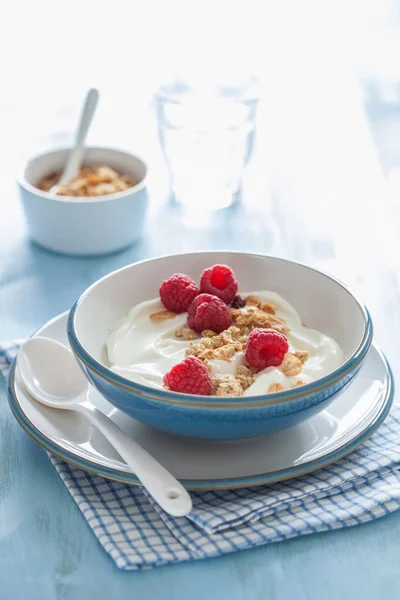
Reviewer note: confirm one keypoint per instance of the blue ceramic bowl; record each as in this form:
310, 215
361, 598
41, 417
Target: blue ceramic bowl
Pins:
323, 303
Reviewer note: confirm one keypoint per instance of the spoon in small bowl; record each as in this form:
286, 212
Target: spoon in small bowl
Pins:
52, 376
75, 156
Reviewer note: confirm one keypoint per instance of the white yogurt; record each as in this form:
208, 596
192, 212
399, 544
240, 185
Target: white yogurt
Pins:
143, 350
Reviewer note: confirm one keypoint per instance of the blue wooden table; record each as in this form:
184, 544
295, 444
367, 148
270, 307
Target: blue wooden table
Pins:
317, 194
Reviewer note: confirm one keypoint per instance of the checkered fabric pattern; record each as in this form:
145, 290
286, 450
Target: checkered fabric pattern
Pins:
139, 535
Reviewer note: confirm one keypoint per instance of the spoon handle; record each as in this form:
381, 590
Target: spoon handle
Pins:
76, 154
162, 485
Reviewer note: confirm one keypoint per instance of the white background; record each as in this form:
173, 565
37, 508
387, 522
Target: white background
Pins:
316, 61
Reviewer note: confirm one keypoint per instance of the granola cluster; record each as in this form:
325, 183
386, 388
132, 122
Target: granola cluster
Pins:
161, 315
291, 365
258, 316
90, 181
223, 346
186, 333
219, 347
232, 385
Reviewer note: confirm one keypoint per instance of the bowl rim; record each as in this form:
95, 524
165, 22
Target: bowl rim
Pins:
194, 401
22, 181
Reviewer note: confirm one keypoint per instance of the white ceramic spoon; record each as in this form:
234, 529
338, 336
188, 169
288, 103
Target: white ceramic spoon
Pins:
75, 156
52, 376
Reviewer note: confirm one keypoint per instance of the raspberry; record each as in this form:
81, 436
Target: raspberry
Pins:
189, 377
178, 292
209, 312
220, 281
266, 348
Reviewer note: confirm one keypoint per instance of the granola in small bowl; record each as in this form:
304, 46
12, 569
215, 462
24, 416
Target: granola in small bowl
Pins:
90, 181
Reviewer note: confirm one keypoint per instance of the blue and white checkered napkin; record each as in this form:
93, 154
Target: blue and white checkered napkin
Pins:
139, 535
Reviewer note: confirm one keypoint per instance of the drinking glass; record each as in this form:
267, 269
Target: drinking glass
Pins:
206, 137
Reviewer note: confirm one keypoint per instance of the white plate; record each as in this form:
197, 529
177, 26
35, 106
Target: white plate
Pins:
328, 436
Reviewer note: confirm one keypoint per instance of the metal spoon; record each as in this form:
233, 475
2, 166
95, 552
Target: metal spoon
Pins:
74, 160
52, 376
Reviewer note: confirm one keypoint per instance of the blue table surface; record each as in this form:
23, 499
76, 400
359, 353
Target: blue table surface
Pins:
316, 204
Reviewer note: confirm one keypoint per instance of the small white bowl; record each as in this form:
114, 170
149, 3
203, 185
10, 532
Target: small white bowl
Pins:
84, 226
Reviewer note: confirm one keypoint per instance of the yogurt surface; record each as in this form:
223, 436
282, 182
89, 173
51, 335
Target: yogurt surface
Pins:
143, 350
